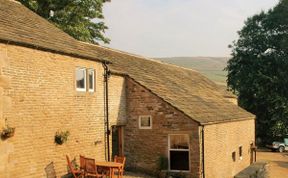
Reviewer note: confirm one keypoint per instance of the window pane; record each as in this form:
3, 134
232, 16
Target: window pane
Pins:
179, 160
286, 141
145, 121
179, 141
80, 78
91, 79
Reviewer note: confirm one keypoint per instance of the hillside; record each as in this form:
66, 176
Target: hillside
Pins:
211, 67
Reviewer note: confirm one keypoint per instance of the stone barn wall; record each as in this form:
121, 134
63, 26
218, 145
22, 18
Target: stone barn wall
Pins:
40, 100
144, 147
5, 105
221, 140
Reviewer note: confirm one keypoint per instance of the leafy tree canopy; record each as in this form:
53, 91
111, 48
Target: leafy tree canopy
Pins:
73, 17
258, 70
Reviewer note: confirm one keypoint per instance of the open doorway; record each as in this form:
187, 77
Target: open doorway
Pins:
117, 140
252, 153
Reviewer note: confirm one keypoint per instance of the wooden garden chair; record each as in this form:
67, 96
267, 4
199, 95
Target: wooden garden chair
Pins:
82, 164
91, 169
122, 160
76, 173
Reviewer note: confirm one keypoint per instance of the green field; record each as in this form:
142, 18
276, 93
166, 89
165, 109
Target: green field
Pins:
211, 67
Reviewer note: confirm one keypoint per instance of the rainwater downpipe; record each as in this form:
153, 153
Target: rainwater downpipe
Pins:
255, 151
203, 156
106, 110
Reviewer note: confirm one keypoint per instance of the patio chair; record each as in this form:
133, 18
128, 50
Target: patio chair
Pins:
76, 173
122, 160
91, 169
82, 162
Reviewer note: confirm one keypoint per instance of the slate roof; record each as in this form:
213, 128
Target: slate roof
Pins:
185, 89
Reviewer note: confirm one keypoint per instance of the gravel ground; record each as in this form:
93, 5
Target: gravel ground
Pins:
278, 163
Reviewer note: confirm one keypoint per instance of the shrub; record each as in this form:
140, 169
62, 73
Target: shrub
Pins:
61, 137
7, 132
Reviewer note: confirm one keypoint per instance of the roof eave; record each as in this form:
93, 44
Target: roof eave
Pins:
32, 46
115, 72
226, 121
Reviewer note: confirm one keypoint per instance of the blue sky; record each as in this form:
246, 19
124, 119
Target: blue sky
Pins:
168, 28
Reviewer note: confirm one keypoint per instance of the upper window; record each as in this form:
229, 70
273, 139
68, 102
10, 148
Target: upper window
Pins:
145, 122
81, 79
91, 80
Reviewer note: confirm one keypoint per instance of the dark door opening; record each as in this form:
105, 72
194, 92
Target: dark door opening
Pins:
252, 153
117, 141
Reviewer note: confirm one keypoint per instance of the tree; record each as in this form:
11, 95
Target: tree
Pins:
258, 70
75, 17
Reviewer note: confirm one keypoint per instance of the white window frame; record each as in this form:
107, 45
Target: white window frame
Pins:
93, 80
85, 79
145, 127
169, 149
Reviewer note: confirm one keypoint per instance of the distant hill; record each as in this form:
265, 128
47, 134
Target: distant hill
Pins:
211, 67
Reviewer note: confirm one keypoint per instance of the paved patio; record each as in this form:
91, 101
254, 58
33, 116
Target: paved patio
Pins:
128, 174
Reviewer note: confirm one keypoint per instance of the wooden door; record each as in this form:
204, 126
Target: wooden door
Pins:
120, 142
117, 141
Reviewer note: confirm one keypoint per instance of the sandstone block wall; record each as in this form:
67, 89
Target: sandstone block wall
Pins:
40, 100
220, 141
5, 105
117, 100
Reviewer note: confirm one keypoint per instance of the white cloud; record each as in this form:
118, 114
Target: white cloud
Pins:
158, 28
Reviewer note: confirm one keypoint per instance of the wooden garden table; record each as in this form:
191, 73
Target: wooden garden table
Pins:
111, 166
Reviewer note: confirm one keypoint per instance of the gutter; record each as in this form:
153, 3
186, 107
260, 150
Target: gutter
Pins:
227, 121
107, 74
254, 143
46, 49
114, 72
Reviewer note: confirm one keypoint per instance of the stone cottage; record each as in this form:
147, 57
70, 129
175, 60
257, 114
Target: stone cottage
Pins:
158, 115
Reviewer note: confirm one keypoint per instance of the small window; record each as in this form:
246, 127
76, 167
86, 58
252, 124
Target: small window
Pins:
91, 80
234, 156
240, 152
145, 122
81, 79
